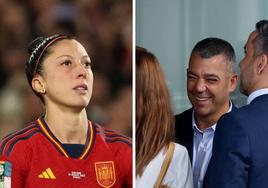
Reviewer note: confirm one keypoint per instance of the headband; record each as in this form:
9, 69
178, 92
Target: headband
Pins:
44, 44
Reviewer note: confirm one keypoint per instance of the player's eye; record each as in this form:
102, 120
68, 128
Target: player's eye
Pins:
66, 63
88, 64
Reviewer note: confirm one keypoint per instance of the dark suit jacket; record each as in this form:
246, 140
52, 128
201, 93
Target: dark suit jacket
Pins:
240, 148
183, 130
184, 133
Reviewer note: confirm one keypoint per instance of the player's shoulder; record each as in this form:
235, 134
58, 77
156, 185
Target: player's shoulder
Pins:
18, 139
112, 137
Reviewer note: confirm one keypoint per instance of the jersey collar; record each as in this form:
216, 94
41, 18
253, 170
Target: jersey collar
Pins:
51, 137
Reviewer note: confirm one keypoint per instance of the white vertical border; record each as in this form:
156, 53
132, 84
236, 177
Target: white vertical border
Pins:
134, 92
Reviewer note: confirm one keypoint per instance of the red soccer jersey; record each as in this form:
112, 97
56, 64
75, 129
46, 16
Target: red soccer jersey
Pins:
38, 159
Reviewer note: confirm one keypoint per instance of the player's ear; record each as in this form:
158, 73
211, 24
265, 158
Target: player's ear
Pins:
38, 84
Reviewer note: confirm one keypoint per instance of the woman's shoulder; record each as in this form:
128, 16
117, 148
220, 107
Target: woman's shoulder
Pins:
112, 137
180, 152
18, 139
179, 172
180, 148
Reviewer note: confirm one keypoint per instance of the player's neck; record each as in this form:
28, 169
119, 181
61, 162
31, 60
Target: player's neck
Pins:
68, 127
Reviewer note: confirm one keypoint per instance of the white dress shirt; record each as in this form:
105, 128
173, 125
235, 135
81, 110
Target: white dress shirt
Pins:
256, 94
179, 173
202, 150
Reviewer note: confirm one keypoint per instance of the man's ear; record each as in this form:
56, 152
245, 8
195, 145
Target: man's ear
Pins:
38, 84
234, 80
262, 63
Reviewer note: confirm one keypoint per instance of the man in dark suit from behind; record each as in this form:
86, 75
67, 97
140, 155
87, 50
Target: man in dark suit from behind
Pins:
210, 81
240, 154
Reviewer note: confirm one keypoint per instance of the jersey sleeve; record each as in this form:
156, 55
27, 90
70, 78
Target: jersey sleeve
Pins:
16, 155
123, 153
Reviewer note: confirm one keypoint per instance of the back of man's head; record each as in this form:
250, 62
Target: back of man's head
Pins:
261, 40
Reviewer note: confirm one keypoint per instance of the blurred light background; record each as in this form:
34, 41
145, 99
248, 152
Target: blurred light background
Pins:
171, 28
104, 27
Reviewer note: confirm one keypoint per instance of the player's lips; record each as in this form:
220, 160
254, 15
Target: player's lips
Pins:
81, 87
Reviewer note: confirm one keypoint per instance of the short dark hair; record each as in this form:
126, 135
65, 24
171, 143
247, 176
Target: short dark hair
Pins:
261, 40
210, 47
38, 50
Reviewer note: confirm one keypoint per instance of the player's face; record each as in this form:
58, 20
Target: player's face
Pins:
68, 77
209, 83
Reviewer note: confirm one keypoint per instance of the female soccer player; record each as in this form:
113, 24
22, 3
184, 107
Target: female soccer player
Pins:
155, 129
63, 148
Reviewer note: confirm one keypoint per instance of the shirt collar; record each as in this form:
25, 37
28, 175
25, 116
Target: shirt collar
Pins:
213, 127
256, 94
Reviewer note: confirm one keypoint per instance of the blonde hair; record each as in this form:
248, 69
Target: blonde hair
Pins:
154, 118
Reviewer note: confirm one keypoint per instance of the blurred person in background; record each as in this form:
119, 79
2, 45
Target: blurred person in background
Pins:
105, 26
121, 112
84, 153
155, 130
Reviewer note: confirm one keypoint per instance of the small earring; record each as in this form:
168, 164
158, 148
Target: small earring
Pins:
43, 91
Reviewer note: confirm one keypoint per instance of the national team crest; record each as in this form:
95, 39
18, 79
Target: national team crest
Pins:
105, 173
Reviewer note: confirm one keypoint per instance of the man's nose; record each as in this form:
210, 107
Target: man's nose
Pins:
200, 85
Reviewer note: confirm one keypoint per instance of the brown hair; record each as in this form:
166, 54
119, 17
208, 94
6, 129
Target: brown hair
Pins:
154, 118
